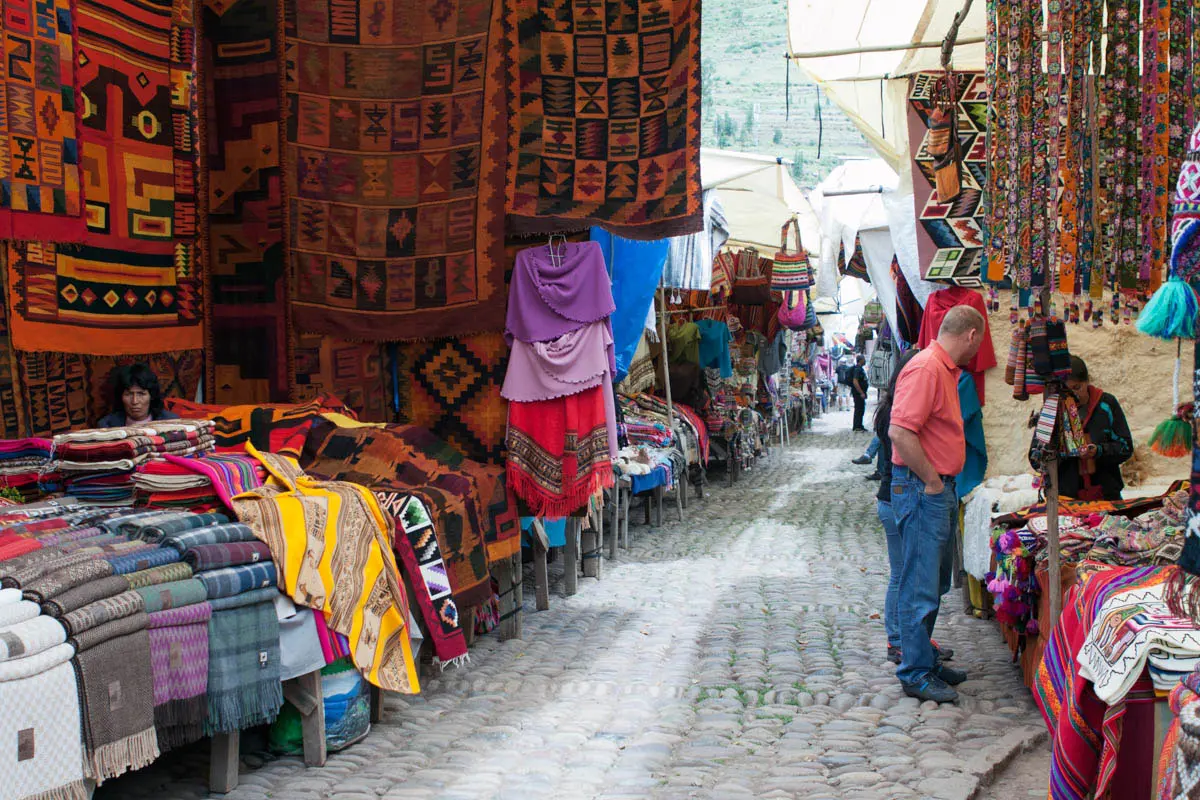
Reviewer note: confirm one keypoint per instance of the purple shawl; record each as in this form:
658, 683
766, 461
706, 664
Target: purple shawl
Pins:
545, 301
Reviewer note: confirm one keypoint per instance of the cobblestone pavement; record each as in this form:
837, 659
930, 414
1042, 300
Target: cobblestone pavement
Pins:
739, 654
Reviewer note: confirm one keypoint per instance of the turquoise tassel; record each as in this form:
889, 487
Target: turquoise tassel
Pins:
1171, 312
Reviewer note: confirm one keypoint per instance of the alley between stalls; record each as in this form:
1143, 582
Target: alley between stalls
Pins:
738, 654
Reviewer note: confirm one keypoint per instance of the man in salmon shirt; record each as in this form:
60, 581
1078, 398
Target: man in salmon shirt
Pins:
928, 451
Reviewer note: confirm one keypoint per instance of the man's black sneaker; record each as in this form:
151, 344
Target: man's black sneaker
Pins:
943, 653
893, 654
952, 676
861, 461
874, 476
931, 687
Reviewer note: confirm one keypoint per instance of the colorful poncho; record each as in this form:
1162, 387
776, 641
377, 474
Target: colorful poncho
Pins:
333, 547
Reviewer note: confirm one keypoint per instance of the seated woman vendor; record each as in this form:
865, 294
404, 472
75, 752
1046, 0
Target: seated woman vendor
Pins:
1096, 473
137, 397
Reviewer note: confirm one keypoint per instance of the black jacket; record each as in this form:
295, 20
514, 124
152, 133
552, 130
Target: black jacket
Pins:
1109, 431
117, 418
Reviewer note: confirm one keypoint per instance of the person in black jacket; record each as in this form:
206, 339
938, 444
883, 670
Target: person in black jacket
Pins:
858, 390
136, 397
1096, 473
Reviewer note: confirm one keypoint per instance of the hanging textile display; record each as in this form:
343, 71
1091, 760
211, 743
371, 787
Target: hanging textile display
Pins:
856, 266
690, 258
636, 270
452, 387
43, 196
604, 126
395, 169
250, 346
353, 372
952, 231
137, 278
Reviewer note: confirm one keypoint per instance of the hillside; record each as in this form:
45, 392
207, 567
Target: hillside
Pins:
745, 104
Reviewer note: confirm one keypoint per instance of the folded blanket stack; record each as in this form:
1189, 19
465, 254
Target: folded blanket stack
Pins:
98, 465
25, 466
39, 706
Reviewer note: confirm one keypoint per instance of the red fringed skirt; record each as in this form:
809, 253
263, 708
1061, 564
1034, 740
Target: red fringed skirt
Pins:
558, 453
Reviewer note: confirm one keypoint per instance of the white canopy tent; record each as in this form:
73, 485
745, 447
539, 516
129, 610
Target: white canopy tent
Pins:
860, 52
759, 196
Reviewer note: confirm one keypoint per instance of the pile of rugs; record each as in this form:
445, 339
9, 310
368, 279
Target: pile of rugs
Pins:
98, 465
199, 483
25, 467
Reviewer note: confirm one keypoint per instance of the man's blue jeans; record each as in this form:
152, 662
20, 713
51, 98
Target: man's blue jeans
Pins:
895, 551
873, 447
925, 523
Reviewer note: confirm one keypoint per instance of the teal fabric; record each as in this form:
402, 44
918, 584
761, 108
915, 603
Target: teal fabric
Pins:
972, 413
714, 346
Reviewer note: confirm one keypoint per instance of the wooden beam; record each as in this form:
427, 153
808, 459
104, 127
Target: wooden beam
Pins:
223, 762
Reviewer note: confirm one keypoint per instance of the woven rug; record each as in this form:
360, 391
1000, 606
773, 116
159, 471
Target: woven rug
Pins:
41, 722
42, 198
179, 663
136, 279
11, 417
350, 371
54, 396
251, 348
452, 387
275, 428
244, 689
116, 691
333, 545
380, 459
396, 169
421, 559
604, 117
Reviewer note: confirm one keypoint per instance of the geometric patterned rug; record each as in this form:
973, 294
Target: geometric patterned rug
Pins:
350, 371
954, 228
452, 387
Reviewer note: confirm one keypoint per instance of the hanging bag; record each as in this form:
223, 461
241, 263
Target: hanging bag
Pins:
794, 311
750, 286
792, 270
944, 144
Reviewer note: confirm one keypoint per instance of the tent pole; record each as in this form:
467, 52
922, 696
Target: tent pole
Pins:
666, 362
1052, 539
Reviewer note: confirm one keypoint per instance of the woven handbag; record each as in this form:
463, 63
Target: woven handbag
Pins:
792, 270
794, 310
944, 144
751, 287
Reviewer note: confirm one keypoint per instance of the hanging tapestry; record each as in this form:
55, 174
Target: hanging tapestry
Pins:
857, 265
10, 414
42, 197
950, 237
136, 279
350, 371
250, 354
54, 392
396, 159
452, 387
604, 117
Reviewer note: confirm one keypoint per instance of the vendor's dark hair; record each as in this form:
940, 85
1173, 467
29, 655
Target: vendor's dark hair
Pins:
883, 412
1079, 370
127, 376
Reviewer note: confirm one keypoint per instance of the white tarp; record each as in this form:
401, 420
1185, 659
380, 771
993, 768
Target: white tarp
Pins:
870, 87
759, 196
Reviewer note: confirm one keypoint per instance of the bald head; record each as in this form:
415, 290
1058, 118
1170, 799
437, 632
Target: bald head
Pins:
962, 333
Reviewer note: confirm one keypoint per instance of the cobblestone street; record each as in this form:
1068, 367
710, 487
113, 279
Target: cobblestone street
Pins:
740, 654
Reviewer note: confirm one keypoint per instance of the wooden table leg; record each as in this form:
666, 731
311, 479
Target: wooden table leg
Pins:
590, 554
614, 533
223, 762
509, 579
571, 558
307, 694
541, 575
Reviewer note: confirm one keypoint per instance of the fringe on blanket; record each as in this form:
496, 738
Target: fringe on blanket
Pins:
124, 755
180, 722
459, 662
545, 504
75, 790
243, 708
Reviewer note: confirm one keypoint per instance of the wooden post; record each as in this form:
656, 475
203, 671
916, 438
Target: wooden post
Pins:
223, 762
1052, 540
571, 558
592, 546
614, 534
541, 575
307, 694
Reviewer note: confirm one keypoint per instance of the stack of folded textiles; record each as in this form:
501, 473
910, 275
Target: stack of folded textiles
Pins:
199, 483
25, 466
98, 465
39, 704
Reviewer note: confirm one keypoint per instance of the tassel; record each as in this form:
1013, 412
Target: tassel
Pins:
1173, 437
1171, 312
